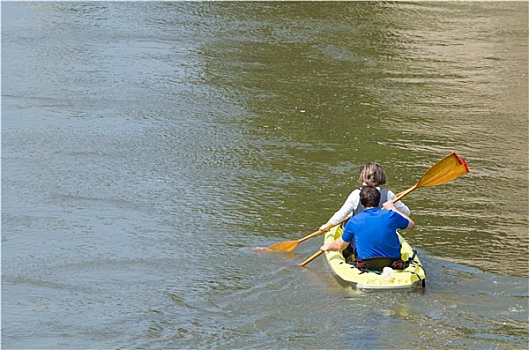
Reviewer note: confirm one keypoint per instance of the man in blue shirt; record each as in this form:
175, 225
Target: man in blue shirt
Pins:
373, 232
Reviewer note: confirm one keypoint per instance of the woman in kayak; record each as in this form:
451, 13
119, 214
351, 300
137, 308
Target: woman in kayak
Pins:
371, 174
372, 234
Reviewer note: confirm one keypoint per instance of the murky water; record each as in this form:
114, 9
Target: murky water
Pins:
149, 147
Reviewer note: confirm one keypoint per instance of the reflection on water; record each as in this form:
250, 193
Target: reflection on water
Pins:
147, 147
405, 95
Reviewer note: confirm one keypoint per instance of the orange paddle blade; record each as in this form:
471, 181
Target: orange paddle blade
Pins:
285, 246
291, 245
447, 169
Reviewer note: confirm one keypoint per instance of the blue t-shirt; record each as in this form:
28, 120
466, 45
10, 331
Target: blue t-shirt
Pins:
374, 233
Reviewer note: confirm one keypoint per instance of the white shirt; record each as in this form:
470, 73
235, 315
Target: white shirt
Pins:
352, 202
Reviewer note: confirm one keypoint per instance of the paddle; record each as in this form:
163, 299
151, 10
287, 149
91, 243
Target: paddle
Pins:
447, 169
314, 256
291, 245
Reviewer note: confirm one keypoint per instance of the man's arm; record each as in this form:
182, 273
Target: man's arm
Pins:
337, 245
389, 205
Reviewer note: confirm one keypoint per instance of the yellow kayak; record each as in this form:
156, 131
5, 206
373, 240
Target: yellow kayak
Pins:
408, 279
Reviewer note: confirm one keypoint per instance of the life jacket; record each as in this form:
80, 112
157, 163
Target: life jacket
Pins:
383, 199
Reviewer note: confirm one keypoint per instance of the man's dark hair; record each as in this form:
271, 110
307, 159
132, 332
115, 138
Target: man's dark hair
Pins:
369, 196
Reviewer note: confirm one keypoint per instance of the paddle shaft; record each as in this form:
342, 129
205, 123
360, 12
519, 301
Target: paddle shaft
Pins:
405, 193
313, 234
314, 256
319, 232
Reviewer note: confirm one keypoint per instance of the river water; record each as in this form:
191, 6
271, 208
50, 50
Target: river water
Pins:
150, 149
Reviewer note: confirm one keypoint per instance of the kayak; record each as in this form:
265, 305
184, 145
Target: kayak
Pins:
408, 279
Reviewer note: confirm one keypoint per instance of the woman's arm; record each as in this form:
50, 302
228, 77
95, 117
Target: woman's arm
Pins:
401, 207
347, 208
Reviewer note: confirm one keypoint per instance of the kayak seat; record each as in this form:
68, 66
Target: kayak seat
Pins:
373, 264
378, 264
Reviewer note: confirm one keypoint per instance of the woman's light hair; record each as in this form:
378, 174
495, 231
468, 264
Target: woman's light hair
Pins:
372, 174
